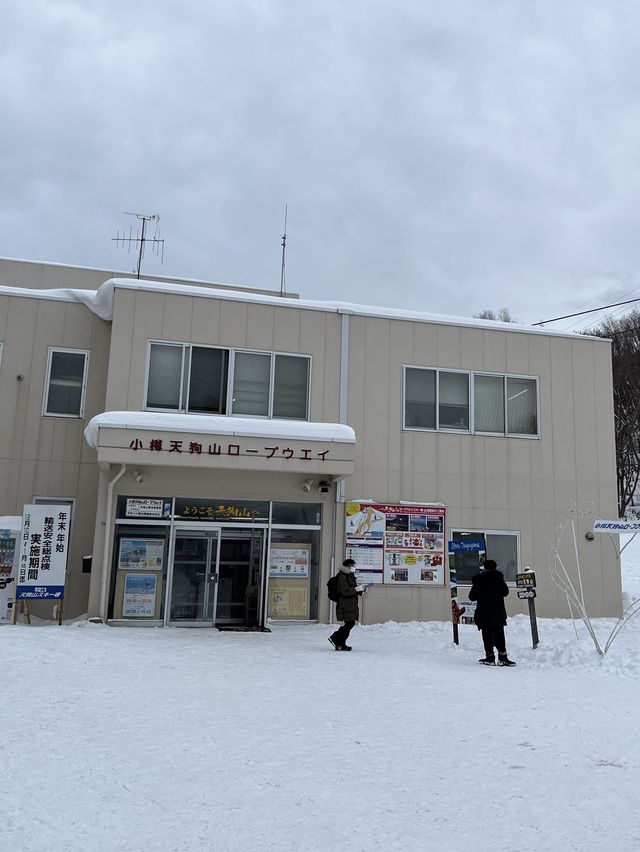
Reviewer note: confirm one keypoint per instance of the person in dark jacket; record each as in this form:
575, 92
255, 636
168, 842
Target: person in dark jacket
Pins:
347, 609
488, 589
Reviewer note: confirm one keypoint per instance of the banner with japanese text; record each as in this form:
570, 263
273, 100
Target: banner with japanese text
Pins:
396, 544
44, 545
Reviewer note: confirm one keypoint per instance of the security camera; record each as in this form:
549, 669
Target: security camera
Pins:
307, 485
138, 476
324, 486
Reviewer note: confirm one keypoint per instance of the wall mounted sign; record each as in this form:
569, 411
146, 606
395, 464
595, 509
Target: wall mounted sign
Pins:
139, 595
221, 510
396, 544
147, 507
141, 554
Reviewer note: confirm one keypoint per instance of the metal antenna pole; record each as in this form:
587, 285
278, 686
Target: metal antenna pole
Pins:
141, 239
144, 227
284, 247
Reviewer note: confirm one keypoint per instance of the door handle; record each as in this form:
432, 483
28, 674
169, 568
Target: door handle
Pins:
213, 578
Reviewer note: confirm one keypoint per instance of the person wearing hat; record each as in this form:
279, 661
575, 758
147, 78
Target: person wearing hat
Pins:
347, 609
489, 589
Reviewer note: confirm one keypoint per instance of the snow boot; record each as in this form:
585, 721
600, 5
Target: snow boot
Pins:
503, 660
336, 647
489, 660
347, 648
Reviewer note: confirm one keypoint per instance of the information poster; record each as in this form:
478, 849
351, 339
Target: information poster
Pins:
396, 544
8, 571
139, 595
289, 562
141, 554
44, 545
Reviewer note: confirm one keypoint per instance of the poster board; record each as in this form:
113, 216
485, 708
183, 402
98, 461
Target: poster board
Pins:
289, 579
44, 547
139, 597
396, 544
141, 554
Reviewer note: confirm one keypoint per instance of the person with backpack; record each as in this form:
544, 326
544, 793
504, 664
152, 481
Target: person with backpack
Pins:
489, 589
345, 591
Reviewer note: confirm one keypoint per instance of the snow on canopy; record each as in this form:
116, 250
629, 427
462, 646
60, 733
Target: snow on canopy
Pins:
217, 424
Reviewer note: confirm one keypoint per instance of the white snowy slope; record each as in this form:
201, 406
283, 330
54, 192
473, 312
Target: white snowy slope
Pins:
130, 739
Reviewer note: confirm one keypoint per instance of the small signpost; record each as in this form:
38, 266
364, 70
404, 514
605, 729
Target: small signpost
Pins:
526, 585
457, 611
42, 566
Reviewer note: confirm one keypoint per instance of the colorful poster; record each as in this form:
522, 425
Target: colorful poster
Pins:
139, 595
289, 562
44, 545
396, 544
141, 554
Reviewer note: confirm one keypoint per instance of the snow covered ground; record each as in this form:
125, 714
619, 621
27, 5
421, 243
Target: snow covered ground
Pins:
128, 739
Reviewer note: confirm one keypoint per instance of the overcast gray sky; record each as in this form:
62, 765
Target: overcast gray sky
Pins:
442, 156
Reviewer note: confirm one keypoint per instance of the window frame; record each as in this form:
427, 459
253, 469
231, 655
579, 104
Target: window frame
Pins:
185, 378
47, 380
485, 533
471, 388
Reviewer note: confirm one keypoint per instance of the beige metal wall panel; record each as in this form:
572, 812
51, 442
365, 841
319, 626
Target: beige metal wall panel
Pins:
495, 351
449, 346
425, 452
472, 457
449, 453
519, 457
496, 492
324, 333
148, 324
205, 321
286, 330
176, 319
562, 406
472, 492
374, 437
517, 353
425, 345
260, 327
472, 349
118, 380
233, 324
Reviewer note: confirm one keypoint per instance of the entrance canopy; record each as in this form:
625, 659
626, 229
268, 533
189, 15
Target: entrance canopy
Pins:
223, 443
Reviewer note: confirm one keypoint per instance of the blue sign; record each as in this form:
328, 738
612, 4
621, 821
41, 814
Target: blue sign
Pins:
470, 545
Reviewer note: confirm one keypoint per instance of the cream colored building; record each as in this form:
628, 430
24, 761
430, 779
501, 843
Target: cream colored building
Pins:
211, 441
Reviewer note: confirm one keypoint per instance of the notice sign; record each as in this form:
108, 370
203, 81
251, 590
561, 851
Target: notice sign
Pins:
140, 595
141, 554
396, 544
44, 546
289, 562
139, 507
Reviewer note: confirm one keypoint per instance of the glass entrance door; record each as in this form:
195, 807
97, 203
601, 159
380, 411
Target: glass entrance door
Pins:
217, 576
239, 577
195, 556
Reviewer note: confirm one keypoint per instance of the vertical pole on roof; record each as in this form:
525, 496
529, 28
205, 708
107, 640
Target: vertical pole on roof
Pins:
144, 227
284, 247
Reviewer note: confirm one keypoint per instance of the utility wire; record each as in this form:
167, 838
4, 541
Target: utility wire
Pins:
590, 311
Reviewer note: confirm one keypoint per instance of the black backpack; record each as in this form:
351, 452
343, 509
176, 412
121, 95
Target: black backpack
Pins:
332, 589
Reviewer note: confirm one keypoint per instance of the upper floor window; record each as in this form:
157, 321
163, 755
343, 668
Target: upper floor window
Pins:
210, 380
481, 403
65, 383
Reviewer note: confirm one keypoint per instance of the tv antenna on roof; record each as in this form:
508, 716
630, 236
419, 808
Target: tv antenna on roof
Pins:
283, 283
140, 240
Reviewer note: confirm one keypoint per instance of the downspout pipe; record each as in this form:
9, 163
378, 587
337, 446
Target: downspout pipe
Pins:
107, 537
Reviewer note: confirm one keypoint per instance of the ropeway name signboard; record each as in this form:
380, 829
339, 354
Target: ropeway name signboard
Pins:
44, 546
616, 526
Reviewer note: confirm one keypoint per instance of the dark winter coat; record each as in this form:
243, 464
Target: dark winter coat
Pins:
347, 607
489, 589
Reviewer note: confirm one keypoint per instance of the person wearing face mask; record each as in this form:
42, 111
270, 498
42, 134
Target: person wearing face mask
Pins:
347, 609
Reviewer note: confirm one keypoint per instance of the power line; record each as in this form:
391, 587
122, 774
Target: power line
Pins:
590, 311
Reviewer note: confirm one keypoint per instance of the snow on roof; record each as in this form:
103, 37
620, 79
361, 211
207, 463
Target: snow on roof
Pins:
101, 302
217, 424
